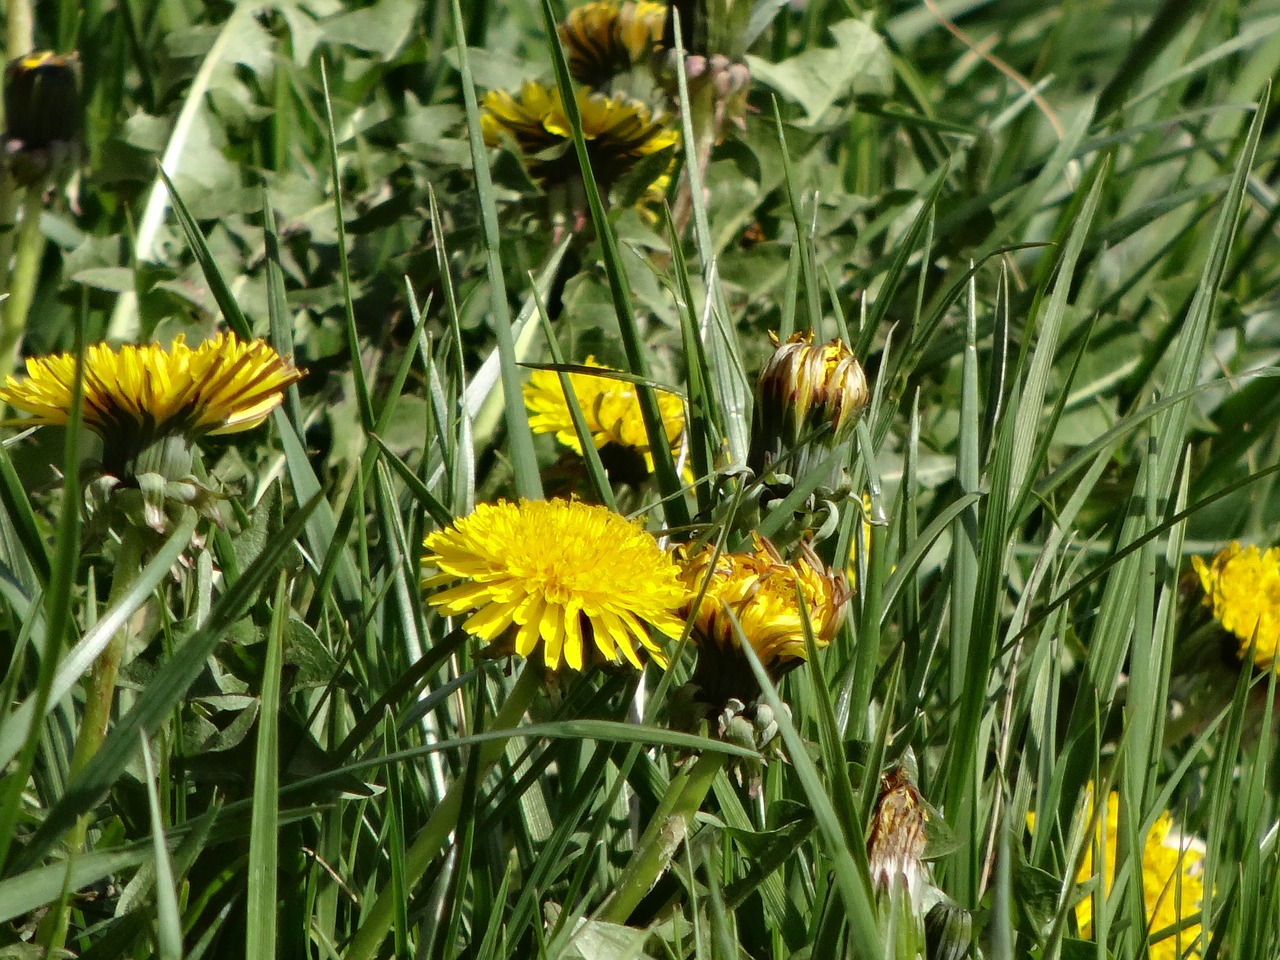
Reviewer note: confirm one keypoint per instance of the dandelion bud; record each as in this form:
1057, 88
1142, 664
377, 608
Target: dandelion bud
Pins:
808, 401
42, 111
948, 930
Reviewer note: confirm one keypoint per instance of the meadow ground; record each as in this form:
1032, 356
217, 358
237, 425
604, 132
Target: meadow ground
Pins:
580, 481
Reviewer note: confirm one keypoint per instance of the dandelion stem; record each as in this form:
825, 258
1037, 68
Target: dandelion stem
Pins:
19, 33
22, 281
702, 108
433, 837
100, 688
662, 838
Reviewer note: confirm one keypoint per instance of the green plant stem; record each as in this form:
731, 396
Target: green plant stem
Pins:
22, 281
444, 819
663, 836
100, 686
19, 28
19, 39
100, 689
702, 110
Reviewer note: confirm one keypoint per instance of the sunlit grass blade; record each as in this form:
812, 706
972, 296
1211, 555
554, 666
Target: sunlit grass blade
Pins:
261, 927
668, 481
524, 461
168, 923
852, 885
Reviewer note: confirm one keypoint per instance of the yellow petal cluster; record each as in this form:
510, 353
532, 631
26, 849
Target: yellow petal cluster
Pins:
1242, 587
759, 589
573, 580
221, 386
606, 38
619, 132
1172, 887
610, 407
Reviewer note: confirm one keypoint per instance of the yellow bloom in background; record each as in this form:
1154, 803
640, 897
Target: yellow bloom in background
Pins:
1242, 587
573, 579
610, 406
1172, 887
619, 132
135, 396
759, 589
604, 39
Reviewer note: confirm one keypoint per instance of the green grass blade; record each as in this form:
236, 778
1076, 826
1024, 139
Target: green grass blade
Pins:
260, 927
524, 461
168, 923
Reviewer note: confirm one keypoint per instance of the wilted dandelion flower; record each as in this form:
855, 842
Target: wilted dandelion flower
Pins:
1172, 887
606, 38
619, 133
760, 590
574, 579
611, 408
896, 837
137, 398
1242, 587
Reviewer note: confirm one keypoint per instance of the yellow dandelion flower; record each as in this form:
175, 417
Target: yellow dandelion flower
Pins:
573, 579
135, 396
619, 133
1242, 587
606, 38
759, 589
610, 406
1172, 887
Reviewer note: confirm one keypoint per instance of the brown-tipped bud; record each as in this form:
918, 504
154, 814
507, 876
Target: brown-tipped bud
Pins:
808, 401
896, 838
42, 113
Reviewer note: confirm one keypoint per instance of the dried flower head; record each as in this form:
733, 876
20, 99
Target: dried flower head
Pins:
1242, 587
896, 837
571, 580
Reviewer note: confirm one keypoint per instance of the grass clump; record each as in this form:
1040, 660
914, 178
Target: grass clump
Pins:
755, 480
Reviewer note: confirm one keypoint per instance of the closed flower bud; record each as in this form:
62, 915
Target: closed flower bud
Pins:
948, 930
808, 402
42, 113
